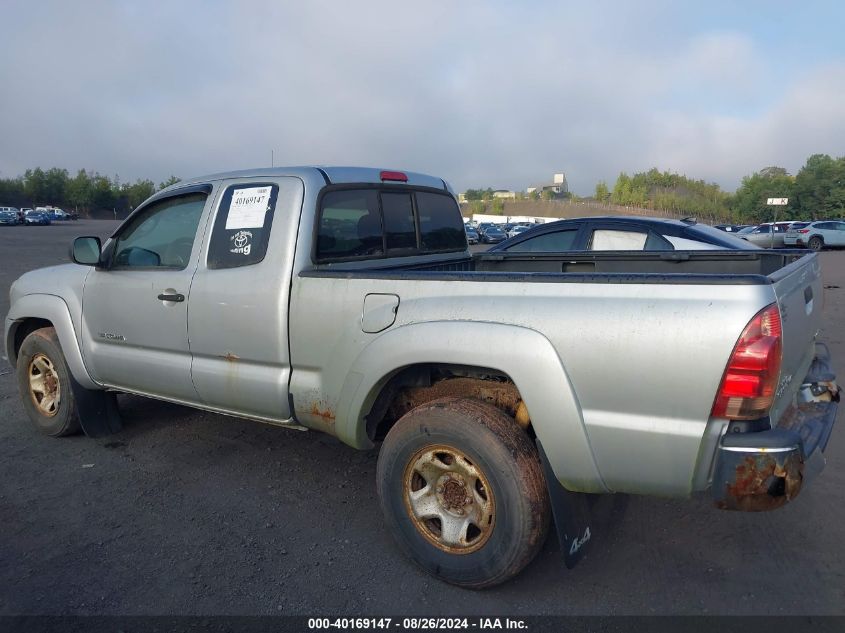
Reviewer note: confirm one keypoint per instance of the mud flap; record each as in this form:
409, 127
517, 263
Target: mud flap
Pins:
97, 410
571, 513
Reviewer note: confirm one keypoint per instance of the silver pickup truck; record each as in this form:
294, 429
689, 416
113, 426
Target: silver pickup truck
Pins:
504, 389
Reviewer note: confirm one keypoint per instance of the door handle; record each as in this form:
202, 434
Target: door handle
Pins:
174, 297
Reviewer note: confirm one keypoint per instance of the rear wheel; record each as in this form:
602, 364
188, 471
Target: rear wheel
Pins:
44, 384
816, 243
463, 492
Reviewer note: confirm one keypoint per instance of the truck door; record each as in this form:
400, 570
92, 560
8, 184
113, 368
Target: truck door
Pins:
238, 310
134, 311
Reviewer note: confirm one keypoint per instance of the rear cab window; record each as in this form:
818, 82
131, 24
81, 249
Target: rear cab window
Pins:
374, 222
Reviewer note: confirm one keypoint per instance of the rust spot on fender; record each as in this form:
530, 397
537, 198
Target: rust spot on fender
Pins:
502, 395
325, 413
232, 358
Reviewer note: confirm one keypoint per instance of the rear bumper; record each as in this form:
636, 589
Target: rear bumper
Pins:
767, 469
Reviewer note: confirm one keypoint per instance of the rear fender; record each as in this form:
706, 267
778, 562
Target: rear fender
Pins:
525, 355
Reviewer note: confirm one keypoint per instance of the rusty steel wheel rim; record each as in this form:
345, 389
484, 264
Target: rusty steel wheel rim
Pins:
44, 386
448, 499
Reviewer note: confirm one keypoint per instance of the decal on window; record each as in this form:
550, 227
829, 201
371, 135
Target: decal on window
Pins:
242, 227
248, 208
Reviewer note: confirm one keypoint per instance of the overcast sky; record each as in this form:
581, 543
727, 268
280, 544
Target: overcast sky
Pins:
498, 94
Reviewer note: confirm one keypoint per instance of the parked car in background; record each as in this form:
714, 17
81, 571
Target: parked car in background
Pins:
22, 214
37, 217
518, 229
621, 233
54, 213
790, 239
492, 235
472, 234
767, 235
816, 235
9, 215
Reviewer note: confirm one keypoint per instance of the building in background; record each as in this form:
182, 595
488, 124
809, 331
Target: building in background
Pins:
558, 187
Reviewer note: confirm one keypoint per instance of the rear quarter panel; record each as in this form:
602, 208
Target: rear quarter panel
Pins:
639, 363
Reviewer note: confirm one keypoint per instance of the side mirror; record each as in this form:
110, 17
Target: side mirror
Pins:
86, 251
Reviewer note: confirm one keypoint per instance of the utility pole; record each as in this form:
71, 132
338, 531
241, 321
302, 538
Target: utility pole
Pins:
272, 158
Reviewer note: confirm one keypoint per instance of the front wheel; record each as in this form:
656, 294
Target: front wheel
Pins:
44, 384
815, 243
463, 492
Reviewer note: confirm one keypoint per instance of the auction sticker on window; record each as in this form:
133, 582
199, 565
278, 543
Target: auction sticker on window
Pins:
248, 208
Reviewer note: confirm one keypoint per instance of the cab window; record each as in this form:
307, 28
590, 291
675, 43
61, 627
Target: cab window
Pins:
162, 235
242, 227
375, 223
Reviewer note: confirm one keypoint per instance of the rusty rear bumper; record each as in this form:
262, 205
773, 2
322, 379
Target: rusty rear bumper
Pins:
765, 470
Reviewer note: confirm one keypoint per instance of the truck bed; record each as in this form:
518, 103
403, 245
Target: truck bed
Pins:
640, 338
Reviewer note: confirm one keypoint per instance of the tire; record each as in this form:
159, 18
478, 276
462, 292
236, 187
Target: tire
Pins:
44, 384
816, 243
458, 446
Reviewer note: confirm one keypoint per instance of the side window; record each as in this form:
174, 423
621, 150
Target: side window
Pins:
350, 225
162, 235
373, 222
559, 241
615, 240
658, 243
441, 224
242, 227
399, 225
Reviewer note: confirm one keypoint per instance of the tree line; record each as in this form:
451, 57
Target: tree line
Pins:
90, 193
816, 192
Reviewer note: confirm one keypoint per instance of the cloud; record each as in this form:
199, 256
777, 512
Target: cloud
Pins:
484, 94
803, 120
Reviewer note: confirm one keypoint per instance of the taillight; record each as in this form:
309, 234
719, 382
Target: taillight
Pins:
751, 377
803, 230
395, 176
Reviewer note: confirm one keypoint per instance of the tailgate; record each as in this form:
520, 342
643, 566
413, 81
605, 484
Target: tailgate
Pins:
798, 289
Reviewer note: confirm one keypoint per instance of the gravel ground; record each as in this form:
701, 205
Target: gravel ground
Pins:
186, 512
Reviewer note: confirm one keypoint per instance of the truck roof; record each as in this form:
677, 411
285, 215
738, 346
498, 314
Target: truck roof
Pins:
329, 174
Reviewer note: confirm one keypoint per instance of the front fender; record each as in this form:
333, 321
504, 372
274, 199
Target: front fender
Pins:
525, 355
55, 310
